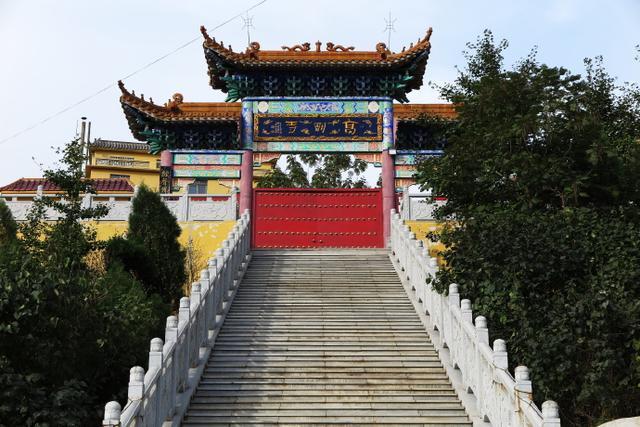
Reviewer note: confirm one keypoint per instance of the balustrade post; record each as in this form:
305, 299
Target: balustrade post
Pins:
86, 201
524, 388
155, 354
183, 208
182, 347
197, 307
171, 329
222, 277
205, 282
184, 312
433, 265
136, 384
550, 414
233, 202
482, 332
411, 241
171, 336
465, 310
155, 364
417, 269
112, 413
454, 296
228, 268
500, 357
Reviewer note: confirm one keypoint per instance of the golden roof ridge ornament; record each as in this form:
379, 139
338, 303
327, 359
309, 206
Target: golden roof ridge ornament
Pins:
304, 47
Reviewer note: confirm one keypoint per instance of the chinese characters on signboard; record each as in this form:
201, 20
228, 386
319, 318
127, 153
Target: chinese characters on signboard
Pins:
324, 127
165, 179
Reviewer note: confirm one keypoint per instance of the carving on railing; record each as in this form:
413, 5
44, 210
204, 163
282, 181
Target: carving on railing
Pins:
162, 394
499, 398
419, 206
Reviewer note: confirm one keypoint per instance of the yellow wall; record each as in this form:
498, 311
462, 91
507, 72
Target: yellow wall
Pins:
207, 236
214, 187
421, 228
137, 175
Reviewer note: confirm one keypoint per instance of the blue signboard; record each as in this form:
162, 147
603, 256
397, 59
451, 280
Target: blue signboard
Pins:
295, 125
317, 127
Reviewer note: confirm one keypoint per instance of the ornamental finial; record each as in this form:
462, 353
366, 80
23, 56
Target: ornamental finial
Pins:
203, 30
429, 32
175, 101
304, 47
122, 88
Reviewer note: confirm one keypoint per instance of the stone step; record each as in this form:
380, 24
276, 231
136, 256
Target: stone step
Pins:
321, 338
314, 406
326, 420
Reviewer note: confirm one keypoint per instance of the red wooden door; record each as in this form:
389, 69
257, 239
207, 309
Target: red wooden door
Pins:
317, 218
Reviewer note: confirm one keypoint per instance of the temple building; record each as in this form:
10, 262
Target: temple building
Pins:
306, 98
125, 160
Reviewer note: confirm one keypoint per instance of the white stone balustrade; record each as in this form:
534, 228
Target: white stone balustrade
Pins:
186, 207
160, 396
419, 206
481, 371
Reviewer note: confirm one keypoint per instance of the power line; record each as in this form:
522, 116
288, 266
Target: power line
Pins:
111, 85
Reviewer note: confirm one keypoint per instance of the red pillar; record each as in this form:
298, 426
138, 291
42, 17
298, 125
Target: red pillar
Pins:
388, 193
246, 181
166, 171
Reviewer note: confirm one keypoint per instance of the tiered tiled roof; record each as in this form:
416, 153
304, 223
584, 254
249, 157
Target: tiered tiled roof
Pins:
198, 112
175, 111
101, 185
254, 65
105, 144
304, 56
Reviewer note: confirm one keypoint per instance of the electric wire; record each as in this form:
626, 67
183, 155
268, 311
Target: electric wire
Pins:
139, 70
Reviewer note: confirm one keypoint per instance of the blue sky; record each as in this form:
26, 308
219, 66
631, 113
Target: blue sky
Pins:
55, 53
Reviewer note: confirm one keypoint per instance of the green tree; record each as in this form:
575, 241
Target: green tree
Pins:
67, 335
152, 225
8, 226
540, 171
134, 258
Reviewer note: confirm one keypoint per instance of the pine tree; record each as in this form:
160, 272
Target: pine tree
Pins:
8, 226
153, 225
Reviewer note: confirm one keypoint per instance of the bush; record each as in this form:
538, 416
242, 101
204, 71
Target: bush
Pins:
133, 257
565, 297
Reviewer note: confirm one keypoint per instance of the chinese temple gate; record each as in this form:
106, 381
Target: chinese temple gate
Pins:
300, 99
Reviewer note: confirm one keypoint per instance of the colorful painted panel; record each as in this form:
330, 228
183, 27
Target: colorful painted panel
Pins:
336, 124
317, 127
208, 171
405, 173
321, 147
207, 159
316, 107
417, 157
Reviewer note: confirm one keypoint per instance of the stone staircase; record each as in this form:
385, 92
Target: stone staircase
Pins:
323, 337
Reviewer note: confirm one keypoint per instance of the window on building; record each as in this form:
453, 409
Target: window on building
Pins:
116, 175
197, 187
158, 164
